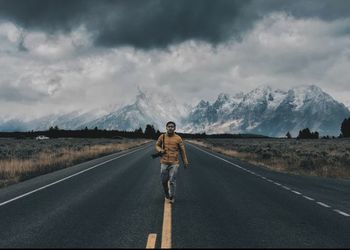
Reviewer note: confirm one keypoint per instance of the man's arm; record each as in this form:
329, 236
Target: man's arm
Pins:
183, 153
159, 144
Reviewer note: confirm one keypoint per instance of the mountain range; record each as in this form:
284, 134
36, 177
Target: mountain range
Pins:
270, 112
264, 111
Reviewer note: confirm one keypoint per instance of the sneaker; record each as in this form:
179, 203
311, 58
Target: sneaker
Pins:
172, 200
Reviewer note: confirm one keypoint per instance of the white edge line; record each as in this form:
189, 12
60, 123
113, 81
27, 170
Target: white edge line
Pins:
66, 178
341, 212
263, 177
278, 184
309, 198
322, 204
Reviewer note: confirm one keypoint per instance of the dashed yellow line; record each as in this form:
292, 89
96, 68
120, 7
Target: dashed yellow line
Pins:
166, 232
151, 241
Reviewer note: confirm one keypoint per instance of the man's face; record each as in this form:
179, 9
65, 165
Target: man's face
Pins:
170, 128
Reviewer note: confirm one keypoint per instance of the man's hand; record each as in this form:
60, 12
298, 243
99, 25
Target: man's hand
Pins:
162, 151
186, 165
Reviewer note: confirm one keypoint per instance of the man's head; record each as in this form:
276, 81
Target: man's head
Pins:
170, 127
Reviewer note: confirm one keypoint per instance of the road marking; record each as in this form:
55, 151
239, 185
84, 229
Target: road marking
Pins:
66, 178
322, 204
151, 241
309, 198
219, 158
166, 232
278, 184
341, 212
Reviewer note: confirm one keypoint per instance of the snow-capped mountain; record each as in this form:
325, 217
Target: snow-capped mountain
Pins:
149, 108
270, 112
71, 120
264, 110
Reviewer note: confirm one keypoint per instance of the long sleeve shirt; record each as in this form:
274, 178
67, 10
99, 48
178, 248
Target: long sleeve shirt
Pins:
173, 144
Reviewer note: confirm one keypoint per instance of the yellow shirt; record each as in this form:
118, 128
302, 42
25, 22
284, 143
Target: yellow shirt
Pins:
173, 144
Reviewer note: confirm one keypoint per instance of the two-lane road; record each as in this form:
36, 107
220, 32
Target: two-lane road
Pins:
116, 201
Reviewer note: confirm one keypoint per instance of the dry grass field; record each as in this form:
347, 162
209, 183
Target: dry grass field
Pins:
26, 158
322, 157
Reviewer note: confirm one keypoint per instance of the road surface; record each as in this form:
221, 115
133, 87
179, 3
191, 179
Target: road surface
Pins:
117, 202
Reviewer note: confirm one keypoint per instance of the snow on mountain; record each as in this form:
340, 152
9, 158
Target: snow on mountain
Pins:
71, 120
148, 108
264, 110
270, 112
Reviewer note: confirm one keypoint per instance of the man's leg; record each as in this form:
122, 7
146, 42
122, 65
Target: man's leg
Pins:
164, 175
172, 180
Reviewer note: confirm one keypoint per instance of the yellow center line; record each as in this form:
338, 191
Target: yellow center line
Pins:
166, 233
151, 242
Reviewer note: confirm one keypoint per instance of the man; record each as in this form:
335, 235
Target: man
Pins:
169, 144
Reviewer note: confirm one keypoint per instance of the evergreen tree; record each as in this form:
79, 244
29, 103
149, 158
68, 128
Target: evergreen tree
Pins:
158, 133
138, 132
288, 135
150, 132
307, 134
345, 127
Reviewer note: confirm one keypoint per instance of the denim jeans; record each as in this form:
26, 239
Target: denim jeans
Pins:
168, 174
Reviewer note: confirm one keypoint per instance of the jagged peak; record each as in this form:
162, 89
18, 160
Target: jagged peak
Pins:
140, 93
202, 104
223, 96
309, 91
308, 87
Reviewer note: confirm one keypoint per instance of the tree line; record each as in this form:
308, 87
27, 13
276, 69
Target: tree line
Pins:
307, 134
151, 133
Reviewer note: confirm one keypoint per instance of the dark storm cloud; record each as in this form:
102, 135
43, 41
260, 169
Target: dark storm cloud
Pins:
323, 9
142, 24
159, 23
47, 15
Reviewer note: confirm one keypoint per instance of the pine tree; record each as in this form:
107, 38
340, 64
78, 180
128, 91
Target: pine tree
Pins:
345, 127
150, 132
288, 135
307, 134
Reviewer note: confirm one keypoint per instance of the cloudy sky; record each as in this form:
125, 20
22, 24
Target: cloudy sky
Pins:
59, 56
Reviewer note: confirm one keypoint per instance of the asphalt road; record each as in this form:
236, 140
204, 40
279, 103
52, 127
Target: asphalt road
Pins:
116, 201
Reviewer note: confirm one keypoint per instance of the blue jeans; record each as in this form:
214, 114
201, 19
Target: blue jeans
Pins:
168, 174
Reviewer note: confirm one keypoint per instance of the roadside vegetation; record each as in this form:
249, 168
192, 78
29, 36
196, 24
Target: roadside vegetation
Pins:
321, 157
21, 159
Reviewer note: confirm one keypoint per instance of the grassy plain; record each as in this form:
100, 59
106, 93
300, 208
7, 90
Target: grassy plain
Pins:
321, 157
21, 159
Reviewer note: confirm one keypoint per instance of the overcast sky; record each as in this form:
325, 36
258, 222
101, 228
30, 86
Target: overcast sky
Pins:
59, 56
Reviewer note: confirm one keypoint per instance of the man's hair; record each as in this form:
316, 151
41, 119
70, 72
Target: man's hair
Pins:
170, 122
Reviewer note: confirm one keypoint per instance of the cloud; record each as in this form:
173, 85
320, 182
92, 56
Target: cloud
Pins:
63, 70
160, 23
142, 24
22, 94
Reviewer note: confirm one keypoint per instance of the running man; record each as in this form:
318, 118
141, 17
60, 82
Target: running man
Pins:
169, 144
